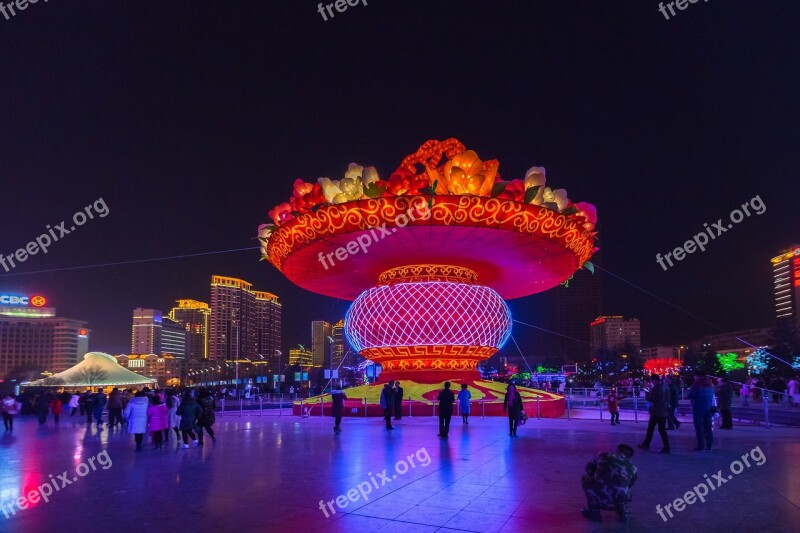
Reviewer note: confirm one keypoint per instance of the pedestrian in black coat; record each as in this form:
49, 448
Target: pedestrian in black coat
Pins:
446, 400
658, 397
512, 404
398, 401
337, 408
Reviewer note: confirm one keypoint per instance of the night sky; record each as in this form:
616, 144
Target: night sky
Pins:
192, 119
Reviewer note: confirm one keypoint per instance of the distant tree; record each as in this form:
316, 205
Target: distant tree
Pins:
92, 375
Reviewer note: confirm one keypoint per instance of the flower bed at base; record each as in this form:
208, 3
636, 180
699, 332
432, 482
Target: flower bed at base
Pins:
422, 396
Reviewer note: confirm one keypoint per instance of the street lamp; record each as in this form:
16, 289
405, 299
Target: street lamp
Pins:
332, 341
280, 386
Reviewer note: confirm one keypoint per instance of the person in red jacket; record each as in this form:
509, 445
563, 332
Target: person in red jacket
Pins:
56, 407
613, 407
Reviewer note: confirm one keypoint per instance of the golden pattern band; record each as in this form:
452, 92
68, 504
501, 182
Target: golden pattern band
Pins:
450, 365
410, 273
471, 211
478, 353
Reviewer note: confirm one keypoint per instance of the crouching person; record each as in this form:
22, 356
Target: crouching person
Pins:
607, 483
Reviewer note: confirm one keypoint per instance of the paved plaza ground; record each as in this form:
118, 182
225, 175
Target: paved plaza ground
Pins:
269, 473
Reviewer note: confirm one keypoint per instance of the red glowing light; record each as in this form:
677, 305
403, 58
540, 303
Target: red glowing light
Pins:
38, 301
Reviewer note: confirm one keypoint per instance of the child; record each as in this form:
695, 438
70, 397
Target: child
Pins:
463, 403
613, 408
157, 420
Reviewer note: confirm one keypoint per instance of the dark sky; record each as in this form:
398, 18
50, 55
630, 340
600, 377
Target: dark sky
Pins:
192, 119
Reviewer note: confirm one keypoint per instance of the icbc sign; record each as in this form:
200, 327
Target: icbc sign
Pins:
36, 301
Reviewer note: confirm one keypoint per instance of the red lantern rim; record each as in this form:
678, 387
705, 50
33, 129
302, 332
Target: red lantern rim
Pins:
515, 248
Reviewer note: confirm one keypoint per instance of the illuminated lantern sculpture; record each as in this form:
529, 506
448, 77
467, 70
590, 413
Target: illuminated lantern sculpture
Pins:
428, 257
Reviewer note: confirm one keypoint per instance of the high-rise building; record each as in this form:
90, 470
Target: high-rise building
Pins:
31, 335
268, 326
614, 333
152, 333
194, 317
146, 331
245, 324
302, 357
173, 338
337, 332
786, 283
320, 343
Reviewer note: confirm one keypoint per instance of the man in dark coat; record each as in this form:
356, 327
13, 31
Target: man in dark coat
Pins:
725, 399
387, 402
337, 408
674, 396
115, 407
446, 400
100, 399
658, 397
398, 401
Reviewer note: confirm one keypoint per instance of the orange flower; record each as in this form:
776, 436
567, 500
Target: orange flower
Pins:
465, 174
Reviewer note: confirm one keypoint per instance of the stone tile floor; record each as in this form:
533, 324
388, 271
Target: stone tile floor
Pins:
270, 473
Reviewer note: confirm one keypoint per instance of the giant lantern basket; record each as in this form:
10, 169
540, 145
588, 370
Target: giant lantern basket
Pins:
429, 257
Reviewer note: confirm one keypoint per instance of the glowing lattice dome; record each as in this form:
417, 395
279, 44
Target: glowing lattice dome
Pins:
422, 313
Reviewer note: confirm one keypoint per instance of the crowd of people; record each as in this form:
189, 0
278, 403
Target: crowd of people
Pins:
156, 412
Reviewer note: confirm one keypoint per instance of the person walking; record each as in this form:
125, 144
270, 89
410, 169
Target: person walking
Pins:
398, 401
674, 396
512, 404
189, 412
207, 419
41, 404
157, 420
613, 406
337, 408
446, 399
74, 400
100, 400
136, 415
87, 405
10, 407
792, 387
173, 420
746, 390
115, 407
658, 397
725, 399
463, 403
702, 396
387, 403
56, 407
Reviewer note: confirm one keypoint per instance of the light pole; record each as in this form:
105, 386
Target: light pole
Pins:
332, 341
280, 386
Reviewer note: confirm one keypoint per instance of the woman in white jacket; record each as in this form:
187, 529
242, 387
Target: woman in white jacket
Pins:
136, 415
174, 421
